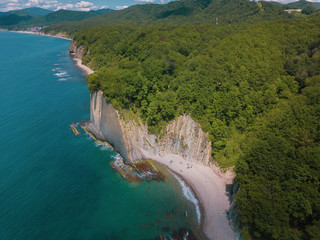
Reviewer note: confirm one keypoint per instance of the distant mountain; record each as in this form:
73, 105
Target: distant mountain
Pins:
9, 19
307, 7
184, 11
36, 11
303, 3
32, 11
30, 17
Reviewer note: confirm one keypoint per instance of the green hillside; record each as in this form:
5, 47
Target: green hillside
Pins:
253, 88
35, 11
252, 82
302, 4
182, 12
15, 18
24, 19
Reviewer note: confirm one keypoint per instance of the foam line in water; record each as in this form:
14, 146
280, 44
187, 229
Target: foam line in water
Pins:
103, 146
188, 194
61, 74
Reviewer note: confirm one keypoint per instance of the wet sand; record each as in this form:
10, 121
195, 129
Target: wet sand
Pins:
209, 184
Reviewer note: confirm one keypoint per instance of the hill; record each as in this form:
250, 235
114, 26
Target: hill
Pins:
302, 4
35, 11
307, 7
25, 18
32, 11
255, 89
184, 11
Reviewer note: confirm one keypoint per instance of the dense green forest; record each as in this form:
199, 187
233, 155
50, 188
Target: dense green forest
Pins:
185, 11
254, 88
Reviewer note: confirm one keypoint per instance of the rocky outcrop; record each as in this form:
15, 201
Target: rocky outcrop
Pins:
183, 136
75, 50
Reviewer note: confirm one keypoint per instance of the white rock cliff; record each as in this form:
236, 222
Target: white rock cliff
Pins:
183, 136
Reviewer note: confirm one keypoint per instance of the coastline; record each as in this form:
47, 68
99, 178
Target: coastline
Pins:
41, 34
209, 185
87, 71
207, 182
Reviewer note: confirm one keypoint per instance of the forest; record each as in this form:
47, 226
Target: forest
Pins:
229, 12
254, 88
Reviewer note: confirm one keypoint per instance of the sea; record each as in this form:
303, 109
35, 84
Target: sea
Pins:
55, 185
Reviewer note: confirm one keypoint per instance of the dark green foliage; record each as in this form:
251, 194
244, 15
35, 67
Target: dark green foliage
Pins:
255, 89
14, 18
182, 12
225, 77
279, 170
305, 64
307, 7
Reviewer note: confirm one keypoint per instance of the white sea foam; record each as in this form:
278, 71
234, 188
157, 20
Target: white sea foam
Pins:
117, 156
188, 194
62, 74
56, 69
103, 146
62, 79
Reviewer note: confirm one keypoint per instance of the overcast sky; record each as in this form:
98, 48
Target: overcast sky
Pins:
84, 5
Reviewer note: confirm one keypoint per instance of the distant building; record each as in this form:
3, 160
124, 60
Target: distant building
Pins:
292, 10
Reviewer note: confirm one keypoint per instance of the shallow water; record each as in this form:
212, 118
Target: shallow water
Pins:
54, 185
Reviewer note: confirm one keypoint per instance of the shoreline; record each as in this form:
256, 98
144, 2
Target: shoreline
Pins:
85, 69
209, 185
41, 34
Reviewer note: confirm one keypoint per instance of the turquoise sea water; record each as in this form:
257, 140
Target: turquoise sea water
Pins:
54, 185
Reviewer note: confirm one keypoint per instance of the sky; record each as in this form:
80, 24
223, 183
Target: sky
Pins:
83, 5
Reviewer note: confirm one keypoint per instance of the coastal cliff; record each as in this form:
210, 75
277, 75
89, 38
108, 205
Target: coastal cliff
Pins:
75, 50
182, 136
183, 147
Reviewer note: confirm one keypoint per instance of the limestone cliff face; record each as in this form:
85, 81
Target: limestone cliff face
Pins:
183, 136
105, 124
76, 51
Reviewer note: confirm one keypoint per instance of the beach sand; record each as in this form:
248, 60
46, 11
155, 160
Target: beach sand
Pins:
209, 184
84, 68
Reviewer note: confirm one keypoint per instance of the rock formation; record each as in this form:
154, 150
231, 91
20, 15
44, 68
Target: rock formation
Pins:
182, 136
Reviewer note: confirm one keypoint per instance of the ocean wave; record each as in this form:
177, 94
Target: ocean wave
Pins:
103, 146
62, 79
117, 156
62, 74
189, 195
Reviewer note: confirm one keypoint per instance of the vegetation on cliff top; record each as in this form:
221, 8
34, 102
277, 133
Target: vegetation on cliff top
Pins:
254, 88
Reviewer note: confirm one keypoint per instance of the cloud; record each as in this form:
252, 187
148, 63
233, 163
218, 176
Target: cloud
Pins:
121, 7
8, 1
146, 1
84, 4
8, 5
103, 7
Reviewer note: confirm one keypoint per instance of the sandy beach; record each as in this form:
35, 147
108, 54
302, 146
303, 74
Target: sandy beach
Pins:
209, 184
84, 68
41, 34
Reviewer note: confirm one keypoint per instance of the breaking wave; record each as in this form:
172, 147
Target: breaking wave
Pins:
189, 195
61, 74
